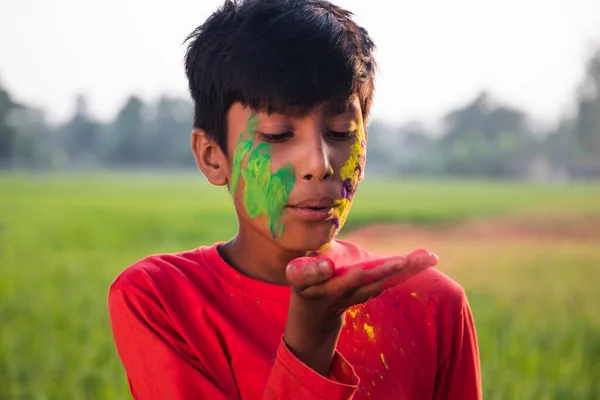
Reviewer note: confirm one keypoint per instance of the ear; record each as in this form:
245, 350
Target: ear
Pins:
210, 158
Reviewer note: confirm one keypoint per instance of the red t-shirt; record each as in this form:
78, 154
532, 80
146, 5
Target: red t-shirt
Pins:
189, 326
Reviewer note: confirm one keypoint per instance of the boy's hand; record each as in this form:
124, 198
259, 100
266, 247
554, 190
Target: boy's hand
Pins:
321, 293
317, 279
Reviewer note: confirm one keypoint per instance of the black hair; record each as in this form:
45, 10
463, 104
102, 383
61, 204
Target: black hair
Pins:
284, 56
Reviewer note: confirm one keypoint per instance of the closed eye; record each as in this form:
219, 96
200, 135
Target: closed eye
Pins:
276, 137
342, 135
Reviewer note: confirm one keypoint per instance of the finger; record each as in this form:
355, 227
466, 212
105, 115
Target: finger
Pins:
372, 268
417, 262
305, 272
347, 279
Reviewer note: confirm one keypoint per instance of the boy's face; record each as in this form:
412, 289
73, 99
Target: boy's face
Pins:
293, 179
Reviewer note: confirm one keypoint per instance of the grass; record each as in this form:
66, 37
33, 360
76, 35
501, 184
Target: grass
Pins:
63, 238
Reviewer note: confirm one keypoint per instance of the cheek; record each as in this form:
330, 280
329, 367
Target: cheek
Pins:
351, 172
267, 187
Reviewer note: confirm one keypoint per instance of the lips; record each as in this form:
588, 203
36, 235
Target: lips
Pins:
318, 203
317, 209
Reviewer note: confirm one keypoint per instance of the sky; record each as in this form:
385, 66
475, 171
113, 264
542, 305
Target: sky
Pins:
433, 55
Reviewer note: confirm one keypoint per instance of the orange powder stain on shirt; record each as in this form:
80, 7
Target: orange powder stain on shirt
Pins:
370, 331
353, 312
382, 357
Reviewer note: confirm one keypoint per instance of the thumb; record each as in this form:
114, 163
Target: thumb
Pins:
308, 271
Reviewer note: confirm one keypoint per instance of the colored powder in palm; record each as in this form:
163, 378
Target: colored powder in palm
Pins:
265, 193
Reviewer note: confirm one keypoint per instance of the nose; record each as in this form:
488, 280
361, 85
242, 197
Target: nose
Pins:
314, 163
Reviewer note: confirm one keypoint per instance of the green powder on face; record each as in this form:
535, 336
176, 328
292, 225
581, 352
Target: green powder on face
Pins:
241, 149
265, 193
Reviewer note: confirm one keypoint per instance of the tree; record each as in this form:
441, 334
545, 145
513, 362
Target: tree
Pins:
24, 135
485, 139
32, 146
587, 121
170, 130
81, 134
413, 150
7, 130
127, 134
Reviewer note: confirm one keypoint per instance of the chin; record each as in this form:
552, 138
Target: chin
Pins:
303, 237
308, 243
308, 247
319, 247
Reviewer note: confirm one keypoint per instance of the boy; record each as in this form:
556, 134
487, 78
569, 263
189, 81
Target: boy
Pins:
282, 90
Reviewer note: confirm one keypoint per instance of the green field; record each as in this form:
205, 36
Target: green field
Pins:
63, 238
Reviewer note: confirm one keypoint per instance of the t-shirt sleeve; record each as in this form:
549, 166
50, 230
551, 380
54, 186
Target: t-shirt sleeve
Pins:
157, 361
161, 366
290, 378
459, 376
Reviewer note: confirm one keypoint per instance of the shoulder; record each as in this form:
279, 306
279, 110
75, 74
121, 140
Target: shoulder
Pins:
429, 289
422, 311
160, 272
431, 279
429, 296
433, 284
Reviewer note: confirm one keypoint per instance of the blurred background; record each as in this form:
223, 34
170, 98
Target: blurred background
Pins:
484, 146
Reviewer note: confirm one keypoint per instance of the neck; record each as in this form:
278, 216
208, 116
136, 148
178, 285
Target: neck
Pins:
258, 257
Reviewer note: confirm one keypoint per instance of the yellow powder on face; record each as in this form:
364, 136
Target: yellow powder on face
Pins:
370, 331
414, 294
383, 360
349, 168
351, 173
341, 208
321, 249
